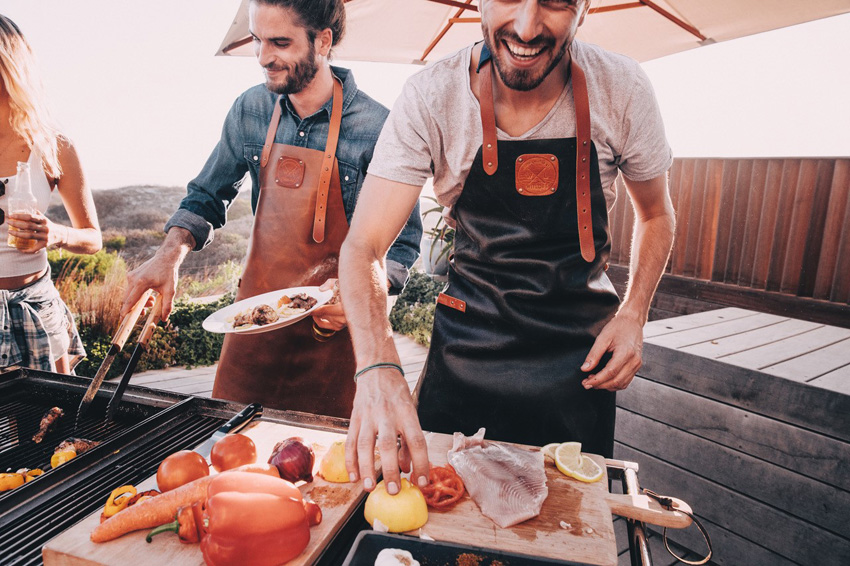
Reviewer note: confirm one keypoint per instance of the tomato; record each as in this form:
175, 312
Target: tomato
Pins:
232, 451
444, 489
180, 468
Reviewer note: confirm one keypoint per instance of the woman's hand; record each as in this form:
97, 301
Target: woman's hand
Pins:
39, 228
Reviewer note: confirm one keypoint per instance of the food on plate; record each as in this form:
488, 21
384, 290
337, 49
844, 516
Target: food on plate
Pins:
444, 489
11, 481
180, 468
61, 457
332, 466
405, 511
263, 314
572, 463
118, 500
48, 423
161, 509
507, 482
232, 451
293, 459
395, 557
78, 445
247, 520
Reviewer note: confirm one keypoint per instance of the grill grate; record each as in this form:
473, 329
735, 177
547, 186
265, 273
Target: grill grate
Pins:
22, 536
21, 414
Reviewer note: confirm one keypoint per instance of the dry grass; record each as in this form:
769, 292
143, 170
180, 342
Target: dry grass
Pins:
97, 303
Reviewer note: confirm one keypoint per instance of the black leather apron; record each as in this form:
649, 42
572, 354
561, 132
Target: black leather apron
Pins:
523, 306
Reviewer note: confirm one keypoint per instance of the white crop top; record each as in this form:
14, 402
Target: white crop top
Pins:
12, 262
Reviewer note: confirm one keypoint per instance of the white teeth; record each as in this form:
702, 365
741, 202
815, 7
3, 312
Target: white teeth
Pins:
520, 51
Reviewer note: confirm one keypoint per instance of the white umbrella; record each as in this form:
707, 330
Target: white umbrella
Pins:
415, 31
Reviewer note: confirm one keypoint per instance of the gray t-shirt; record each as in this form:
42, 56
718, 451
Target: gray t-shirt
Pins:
434, 128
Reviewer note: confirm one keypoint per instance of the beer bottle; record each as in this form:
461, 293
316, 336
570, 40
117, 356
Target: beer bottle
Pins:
21, 200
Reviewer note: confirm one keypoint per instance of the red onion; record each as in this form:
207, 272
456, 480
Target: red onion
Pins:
293, 459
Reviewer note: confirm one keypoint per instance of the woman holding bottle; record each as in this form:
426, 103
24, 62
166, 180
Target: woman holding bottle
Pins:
36, 327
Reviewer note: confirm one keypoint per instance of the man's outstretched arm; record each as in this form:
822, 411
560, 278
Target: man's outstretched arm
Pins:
383, 407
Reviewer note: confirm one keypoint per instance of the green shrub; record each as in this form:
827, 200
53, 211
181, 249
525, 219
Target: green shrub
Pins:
86, 268
413, 313
194, 345
115, 243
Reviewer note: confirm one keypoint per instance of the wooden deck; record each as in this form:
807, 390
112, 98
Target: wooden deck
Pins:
802, 351
199, 381
746, 416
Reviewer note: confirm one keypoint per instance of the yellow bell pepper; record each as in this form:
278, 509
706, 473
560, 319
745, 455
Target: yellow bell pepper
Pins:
10, 481
61, 457
32, 474
118, 500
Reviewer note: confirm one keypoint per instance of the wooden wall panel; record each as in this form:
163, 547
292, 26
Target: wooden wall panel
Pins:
779, 225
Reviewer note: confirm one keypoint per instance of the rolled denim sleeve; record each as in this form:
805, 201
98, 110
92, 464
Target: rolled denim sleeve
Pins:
210, 194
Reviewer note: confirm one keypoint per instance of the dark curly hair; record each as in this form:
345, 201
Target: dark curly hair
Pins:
316, 15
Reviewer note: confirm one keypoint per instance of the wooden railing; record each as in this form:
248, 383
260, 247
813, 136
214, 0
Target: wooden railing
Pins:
781, 226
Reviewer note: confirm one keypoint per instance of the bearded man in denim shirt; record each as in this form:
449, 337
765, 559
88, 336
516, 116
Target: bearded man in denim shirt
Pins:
306, 138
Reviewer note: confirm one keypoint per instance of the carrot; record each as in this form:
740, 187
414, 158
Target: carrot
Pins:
161, 509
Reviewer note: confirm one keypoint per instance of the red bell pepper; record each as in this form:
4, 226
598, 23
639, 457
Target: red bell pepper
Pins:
250, 519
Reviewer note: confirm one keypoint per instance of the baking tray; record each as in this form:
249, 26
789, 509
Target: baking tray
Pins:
368, 544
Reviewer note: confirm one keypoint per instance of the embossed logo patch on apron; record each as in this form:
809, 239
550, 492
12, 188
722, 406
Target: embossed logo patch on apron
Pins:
290, 172
536, 174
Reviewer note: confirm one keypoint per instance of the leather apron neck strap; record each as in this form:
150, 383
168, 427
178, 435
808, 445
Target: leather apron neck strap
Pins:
490, 154
327, 164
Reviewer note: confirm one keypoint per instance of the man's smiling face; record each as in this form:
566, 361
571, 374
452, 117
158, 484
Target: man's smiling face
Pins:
528, 38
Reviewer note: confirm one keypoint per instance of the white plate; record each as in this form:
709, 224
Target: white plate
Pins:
218, 321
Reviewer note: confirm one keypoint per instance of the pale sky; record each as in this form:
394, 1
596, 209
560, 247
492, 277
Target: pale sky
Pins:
136, 86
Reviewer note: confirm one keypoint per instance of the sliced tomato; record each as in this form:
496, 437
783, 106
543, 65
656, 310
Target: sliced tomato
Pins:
444, 489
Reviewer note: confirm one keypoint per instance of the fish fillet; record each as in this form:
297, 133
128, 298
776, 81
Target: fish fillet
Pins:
508, 483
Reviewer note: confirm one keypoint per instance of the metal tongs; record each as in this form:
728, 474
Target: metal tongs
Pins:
118, 341
154, 318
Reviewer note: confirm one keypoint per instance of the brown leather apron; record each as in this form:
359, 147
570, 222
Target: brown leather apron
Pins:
299, 227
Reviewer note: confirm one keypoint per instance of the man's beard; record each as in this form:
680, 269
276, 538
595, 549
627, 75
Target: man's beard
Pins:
522, 79
299, 75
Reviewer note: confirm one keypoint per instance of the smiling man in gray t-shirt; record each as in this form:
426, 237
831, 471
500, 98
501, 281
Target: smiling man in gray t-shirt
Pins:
524, 136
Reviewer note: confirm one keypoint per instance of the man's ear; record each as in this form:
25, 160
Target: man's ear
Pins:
324, 42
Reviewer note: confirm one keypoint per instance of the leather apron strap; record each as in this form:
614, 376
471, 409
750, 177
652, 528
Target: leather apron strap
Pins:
490, 152
320, 214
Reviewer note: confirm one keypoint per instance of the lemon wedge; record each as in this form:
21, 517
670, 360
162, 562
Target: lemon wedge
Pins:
549, 449
571, 462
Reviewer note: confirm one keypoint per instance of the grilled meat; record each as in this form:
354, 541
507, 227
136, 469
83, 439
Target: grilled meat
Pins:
48, 423
264, 314
303, 301
78, 445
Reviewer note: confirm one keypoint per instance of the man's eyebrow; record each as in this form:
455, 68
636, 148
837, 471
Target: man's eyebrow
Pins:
279, 38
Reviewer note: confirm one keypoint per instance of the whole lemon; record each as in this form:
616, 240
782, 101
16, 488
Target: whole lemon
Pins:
332, 466
405, 511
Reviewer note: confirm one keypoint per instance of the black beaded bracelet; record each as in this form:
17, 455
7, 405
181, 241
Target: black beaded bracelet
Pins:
376, 366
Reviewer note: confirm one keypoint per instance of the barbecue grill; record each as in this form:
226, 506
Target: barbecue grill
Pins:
148, 426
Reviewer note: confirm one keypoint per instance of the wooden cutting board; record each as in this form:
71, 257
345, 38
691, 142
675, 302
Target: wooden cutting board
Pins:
337, 501
588, 534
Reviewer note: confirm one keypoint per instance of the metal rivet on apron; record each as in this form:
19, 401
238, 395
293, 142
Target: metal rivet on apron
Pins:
280, 158
583, 159
552, 189
520, 190
346, 177
520, 159
255, 158
489, 146
327, 169
301, 134
584, 142
277, 180
297, 184
329, 156
489, 164
552, 158
300, 162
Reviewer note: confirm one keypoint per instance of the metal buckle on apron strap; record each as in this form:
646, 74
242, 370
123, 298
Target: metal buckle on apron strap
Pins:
667, 503
449, 301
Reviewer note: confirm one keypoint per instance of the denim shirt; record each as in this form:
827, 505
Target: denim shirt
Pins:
239, 150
